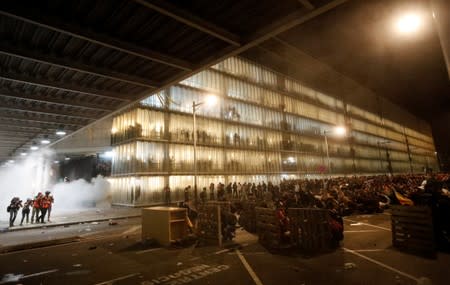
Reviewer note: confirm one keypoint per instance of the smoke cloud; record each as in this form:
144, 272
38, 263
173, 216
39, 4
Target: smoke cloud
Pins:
38, 173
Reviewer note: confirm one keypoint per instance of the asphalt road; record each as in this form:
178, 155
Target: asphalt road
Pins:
115, 255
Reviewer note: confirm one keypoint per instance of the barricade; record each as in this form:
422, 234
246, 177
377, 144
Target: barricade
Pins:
268, 228
208, 221
247, 218
311, 229
412, 229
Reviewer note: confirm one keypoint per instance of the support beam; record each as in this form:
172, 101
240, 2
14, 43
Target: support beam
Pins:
7, 93
307, 4
180, 15
28, 129
257, 38
24, 120
42, 111
290, 21
73, 64
84, 33
42, 82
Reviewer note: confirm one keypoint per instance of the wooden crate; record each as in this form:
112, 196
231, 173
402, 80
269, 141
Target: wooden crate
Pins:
412, 229
311, 232
165, 224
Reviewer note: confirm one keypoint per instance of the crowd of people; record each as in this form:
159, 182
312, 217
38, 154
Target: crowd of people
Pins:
40, 207
347, 195
343, 196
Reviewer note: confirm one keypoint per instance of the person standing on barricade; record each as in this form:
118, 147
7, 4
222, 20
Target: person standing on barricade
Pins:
211, 191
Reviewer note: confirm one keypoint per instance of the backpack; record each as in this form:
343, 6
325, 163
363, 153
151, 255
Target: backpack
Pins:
8, 209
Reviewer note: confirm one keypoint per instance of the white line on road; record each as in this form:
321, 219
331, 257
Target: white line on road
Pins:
148, 250
369, 250
361, 231
39, 273
132, 229
381, 264
221, 251
117, 279
249, 269
366, 224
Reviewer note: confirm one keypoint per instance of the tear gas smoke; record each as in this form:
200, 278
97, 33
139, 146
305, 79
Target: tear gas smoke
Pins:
37, 173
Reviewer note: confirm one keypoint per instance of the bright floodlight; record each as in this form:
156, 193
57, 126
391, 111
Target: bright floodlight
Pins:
211, 100
34, 147
408, 23
23, 153
340, 131
60, 133
45, 141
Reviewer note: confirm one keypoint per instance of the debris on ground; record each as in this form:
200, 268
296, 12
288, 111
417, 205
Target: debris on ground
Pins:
77, 265
349, 265
356, 224
94, 223
112, 223
179, 263
88, 230
92, 247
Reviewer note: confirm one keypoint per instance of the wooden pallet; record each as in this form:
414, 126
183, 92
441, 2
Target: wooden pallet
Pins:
247, 218
412, 229
267, 228
207, 221
311, 229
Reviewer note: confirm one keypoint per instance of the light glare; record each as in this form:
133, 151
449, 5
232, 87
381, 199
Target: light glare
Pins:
408, 23
60, 133
211, 100
340, 131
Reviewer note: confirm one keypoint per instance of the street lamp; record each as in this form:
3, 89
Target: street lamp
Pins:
339, 131
210, 101
409, 23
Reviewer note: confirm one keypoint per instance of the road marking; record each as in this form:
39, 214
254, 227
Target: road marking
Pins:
249, 269
132, 229
381, 264
366, 224
118, 279
361, 231
221, 251
369, 250
148, 250
39, 273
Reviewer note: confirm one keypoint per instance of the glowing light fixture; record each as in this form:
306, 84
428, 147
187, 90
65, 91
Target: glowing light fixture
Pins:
34, 146
45, 140
11, 161
408, 23
56, 162
23, 153
340, 131
67, 158
60, 133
